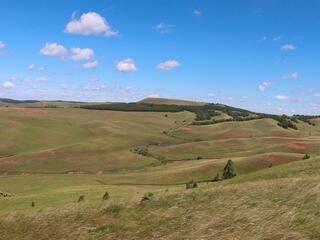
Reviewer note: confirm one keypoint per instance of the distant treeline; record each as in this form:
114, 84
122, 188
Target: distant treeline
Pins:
204, 113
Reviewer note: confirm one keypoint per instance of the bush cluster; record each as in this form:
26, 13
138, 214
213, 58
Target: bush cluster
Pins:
191, 184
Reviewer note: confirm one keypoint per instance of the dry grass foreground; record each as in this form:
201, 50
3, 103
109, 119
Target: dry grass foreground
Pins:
278, 203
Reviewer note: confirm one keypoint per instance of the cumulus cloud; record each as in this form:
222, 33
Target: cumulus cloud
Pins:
164, 28
79, 54
126, 66
211, 94
197, 12
90, 23
90, 65
291, 75
263, 86
153, 96
54, 50
94, 88
42, 79
281, 97
8, 85
34, 67
168, 65
288, 47
2, 45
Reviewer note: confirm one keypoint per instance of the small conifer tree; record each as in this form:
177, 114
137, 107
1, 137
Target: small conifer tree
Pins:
105, 196
81, 198
228, 171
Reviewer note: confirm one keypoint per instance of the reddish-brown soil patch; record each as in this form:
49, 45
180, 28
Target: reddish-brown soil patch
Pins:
37, 112
273, 158
279, 158
297, 146
185, 129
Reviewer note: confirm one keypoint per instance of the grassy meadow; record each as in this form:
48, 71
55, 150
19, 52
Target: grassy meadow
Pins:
52, 156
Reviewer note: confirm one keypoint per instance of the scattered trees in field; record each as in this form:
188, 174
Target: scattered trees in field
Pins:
205, 113
284, 122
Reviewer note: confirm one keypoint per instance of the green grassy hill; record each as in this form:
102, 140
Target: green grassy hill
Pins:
53, 155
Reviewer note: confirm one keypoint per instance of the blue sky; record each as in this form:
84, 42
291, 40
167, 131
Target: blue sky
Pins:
256, 54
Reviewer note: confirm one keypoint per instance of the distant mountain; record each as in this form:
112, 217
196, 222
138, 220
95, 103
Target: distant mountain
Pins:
168, 101
13, 101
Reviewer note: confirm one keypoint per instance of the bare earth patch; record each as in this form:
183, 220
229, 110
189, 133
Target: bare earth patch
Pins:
279, 158
297, 146
185, 129
36, 112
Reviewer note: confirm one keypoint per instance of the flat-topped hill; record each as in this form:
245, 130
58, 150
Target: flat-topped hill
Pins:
168, 101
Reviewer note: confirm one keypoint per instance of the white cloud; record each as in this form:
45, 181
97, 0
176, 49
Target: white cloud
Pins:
94, 88
263, 86
90, 23
42, 79
168, 65
126, 66
288, 47
291, 75
90, 65
2, 45
153, 96
54, 50
211, 94
197, 12
8, 85
34, 67
281, 97
79, 54
164, 28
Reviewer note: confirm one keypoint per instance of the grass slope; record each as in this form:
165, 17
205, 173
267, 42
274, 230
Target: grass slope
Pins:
51, 156
277, 203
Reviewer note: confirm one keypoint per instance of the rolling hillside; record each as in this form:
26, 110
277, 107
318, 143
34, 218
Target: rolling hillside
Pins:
53, 155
